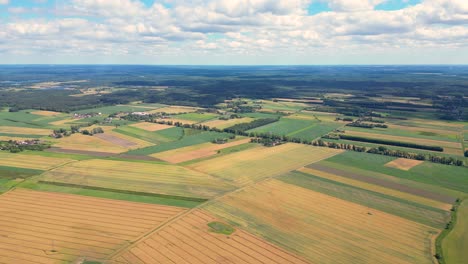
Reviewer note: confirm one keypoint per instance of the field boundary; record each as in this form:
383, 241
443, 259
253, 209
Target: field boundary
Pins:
439, 255
183, 198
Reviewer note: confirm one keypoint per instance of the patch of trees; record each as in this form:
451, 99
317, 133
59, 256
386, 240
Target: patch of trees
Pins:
466, 153
382, 150
15, 146
391, 142
251, 125
366, 125
268, 142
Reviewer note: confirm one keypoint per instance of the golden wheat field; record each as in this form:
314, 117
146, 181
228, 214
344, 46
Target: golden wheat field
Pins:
403, 164
322, 228
189, 240
44, 227
31, 161
221, 124
25, 131
150, 126
45, 113
138, 176
254, 164
175, 109
197, 151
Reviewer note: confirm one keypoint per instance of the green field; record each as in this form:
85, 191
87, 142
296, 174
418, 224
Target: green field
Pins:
25, 119
107, 110
452, 137
109, 194
285, 126
410, 210
450, 177
165, 135
455, 244
198, 117
184, 142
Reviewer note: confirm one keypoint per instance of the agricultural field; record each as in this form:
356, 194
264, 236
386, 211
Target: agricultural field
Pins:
190, 239
156, 137
37, 227
196, 151
254, 164
185, 141
222, 124
150, 126
36, 162
175, 109
445, 179
138, 177
328, 230
455, 243
196, 117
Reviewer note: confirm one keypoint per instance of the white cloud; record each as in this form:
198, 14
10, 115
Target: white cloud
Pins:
245, 27
4, 2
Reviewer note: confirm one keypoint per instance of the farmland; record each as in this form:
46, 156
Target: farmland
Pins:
257, 166
37, 227
328, 230
152, 178
248, 166
189, 240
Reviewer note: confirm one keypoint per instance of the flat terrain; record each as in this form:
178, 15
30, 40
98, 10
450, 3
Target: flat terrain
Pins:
155, 178
43, 227
189, 240
31, 161
221, 124
403, 164
251, 165
455, 243
327, 230
151, 126
197, 151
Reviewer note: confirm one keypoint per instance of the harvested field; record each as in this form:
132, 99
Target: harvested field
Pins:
221, 124
195, 152
251, 165
30, 161
45, 113
175, 109
188, 240
384, 183
25, 131
88, 143
62, 122
43, 227
151, 178
322, 228
116, 140
377, 188
403, 164
151, 126
175, 119
80, 152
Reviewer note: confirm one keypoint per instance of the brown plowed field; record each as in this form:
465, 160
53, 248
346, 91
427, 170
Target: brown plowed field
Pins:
188, 240
43, 227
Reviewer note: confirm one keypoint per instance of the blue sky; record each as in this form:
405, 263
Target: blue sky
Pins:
234, 31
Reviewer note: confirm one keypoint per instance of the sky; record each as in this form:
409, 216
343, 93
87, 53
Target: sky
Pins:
234, 32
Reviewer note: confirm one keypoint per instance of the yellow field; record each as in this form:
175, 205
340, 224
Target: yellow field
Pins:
188, 240
221, 124
403, 164
88, 143
25, 130
175, 109
62, 122
138, 176
30, 161
322, 228
43, 227
46, 113
150, 126
377, 188
449, 147
253, 164
135, 142
195, 152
